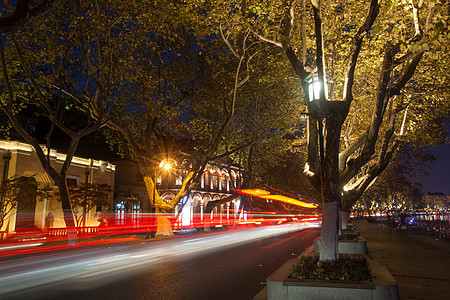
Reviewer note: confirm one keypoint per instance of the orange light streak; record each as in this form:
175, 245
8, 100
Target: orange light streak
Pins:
263, 194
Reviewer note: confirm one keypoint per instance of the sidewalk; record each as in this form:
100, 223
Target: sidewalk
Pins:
420, 264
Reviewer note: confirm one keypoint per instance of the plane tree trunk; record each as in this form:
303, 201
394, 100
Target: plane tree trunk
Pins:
336, 112
60, 182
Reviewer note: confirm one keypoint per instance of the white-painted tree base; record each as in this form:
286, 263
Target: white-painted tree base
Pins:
345, 215
164, 227
329, 233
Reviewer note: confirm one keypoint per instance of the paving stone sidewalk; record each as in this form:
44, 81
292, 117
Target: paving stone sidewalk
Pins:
420, 264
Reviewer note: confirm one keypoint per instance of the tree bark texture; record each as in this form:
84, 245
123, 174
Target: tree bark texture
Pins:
328, 237
164, 227
67, 209
330, 182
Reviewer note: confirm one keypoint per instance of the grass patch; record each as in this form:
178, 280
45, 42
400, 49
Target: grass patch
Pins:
346, 267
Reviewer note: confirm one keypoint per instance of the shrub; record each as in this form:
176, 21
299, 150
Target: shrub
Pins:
346, 267
437, 228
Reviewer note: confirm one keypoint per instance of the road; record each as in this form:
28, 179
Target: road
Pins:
225, 265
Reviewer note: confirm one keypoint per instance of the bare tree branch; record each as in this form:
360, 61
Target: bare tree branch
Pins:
23, 15
289, 19
381, 100
356, 48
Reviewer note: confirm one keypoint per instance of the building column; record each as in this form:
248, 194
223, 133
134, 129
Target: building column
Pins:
202, 204
228, 213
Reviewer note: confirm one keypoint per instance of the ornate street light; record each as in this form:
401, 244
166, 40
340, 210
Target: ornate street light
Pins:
314, 87
167, 164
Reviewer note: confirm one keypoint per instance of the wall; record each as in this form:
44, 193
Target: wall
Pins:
24, 162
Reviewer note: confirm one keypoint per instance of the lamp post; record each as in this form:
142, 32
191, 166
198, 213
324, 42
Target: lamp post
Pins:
315, 87
325, 122
317, 95
153, 209
329, 115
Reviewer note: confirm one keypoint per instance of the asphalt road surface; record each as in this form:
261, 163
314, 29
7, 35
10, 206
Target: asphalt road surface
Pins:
230, 270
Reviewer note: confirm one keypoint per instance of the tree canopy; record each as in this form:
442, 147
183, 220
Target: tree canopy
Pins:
395, 190
149, 74
12, 191
367, 53
85, 197
355, 36
224, 75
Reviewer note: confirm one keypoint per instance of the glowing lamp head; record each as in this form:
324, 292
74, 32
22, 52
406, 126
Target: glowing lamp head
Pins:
315, 86
167, 166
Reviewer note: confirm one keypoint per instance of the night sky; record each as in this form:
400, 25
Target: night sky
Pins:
439, 178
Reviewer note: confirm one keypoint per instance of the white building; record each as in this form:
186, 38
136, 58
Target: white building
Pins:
19, 159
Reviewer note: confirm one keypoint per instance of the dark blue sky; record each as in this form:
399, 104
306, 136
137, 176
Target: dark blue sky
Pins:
439, 178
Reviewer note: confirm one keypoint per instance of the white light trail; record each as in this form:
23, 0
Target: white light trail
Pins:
20, 246
113, 263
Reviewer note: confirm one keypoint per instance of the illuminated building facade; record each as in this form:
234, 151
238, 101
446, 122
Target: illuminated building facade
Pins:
216, 184
19, 159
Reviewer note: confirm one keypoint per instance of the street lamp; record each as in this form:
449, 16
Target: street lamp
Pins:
167, 164
314, 87
317, 111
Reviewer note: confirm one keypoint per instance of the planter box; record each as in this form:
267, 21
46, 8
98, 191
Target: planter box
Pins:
350, 232
347, 247
281, 287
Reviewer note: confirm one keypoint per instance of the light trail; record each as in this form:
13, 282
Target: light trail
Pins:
20, 246
26, 249
85, 269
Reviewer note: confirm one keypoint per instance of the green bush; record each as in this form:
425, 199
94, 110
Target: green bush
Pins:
346, 267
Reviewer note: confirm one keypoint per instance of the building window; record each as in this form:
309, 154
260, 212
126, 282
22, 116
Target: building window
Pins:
212, 180
208, 181
135, 212
224, 181
71, 181
120, 213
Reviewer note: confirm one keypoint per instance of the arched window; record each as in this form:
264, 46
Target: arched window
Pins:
202, 180
179, 177
197, 201
206, 199
224, 182
233, 179
207, 179
214, 183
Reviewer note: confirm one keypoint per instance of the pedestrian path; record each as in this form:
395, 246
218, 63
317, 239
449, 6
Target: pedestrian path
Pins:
420, 264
